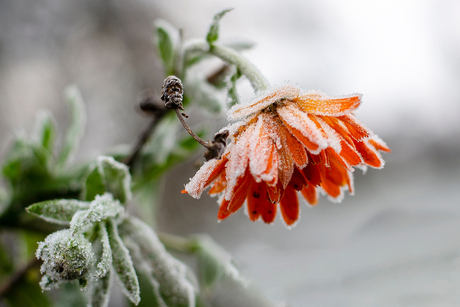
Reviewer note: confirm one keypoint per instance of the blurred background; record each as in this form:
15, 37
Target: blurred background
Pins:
395, 243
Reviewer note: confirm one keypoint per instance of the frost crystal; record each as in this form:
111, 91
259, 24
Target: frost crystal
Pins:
66, 256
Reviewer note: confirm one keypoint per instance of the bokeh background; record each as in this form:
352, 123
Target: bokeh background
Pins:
395, 243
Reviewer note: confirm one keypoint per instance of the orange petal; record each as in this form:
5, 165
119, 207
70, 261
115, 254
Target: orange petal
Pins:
205, 175
298, 181
371, 157
275, 193
312, 174
296, 149
310, 194
355, 127
379, 144
240, 111
302, 127
256, 197
316, 102
219, 185
349, 154
267, 208
237, 200
289, 206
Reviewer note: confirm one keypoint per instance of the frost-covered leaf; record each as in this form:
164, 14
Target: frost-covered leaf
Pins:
59, 211
214, 262
46, 130
123, 265
213, 33
77, 126
105, 263
110, 176
100, 291
95, 183
232, 92
168, 276
100, 209
201, 93
117, 178
165, 38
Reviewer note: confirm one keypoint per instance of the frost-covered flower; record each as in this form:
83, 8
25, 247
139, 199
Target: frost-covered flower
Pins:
284, 142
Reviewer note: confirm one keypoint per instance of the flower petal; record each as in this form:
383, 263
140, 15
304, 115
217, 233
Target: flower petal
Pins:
310, 193
229, 207
357, 130
302, 127
319, 103
379, 144
289, 206
370, 156
241, 111
208, 172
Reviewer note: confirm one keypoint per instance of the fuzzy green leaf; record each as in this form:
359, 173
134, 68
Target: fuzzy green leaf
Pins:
214, 263
58, 211
106, 258
100, 291
213, 33
165, 38
95, 184
206, 96
123, 265
232, 93
117, 178
46, 131
100, 209
167, 276
77, 126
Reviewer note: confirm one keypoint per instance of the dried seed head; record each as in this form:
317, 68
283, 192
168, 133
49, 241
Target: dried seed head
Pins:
172, 93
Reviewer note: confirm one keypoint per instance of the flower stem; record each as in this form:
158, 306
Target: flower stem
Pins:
177, 243
258, 81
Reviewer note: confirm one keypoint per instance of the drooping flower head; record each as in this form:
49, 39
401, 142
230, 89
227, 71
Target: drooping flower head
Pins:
285, 143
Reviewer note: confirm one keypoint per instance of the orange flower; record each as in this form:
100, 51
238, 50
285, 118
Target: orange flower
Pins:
287, 142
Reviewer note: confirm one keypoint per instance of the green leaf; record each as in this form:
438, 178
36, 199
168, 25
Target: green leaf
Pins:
70, 295
206, 96
105, 263
167, 276
100, 209
214, 263
123, 265
213, 33
95, 184
58, 211
46, 131
76, 129
100, 291
117, 178
165, 38
232, 93
111, 176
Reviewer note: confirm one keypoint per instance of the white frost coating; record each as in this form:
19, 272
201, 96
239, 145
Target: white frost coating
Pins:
299, 120
174, 287
196, 185
242, 110
66, 256
238, 160
326, 103
121, 171
100, 291
333, 138
58, 211
261, 146
100, 209
106, 258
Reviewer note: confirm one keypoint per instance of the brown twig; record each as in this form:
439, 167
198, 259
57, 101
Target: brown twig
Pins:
17, 276
172, 96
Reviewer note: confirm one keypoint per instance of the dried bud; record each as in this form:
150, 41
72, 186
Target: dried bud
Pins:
172, 93
66, 256
217, 146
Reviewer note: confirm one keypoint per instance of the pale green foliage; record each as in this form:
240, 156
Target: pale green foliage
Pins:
213, 33
105, 263
167, 275
123, 265
166, 39
58, 211
100, 209
110, 176
66, 256
100, 291
77, 127
214, 263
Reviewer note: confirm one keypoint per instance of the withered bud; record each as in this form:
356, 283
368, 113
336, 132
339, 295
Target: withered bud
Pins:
216, 147
172, 93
